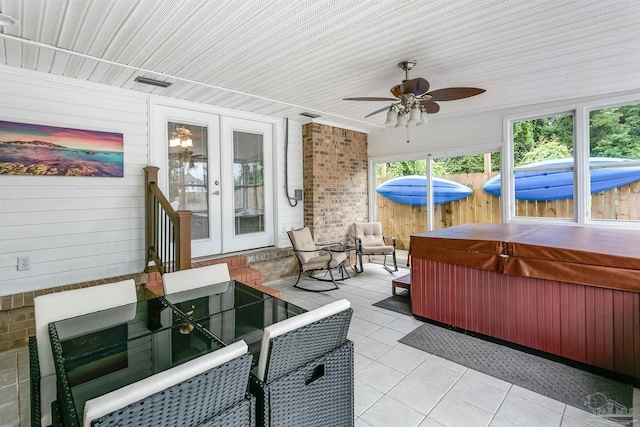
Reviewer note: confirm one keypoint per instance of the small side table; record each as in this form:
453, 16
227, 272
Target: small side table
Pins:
347, 251
403, 282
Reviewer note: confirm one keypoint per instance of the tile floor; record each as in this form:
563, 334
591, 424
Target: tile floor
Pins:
395, 385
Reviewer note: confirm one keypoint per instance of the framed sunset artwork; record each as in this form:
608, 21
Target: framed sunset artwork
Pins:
27, 149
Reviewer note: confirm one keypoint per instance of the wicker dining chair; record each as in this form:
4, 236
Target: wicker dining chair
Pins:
313, 258
193, 278
210, 390
305, 371
59, 306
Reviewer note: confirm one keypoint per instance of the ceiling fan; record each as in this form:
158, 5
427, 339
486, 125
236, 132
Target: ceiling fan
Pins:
412, 100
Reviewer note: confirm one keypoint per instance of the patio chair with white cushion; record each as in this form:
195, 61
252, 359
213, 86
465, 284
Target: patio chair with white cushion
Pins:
312, 258
370, 241
305, 371
58, 306
186, 280
207, 391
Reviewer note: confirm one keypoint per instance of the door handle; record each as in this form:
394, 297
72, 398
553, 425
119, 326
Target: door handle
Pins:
216, 193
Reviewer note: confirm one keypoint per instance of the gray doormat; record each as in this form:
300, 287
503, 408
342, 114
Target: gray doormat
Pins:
553, 379
398, 303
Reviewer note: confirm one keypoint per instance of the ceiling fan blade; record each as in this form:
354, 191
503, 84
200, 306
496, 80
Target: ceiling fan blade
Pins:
369, 99
396, 91
415, 86
378, 111
430, 107
453, 93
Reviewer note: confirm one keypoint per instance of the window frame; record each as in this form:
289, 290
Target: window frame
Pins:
469, 150
581, 153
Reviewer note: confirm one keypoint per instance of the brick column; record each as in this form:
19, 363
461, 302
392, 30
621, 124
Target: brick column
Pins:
335, 181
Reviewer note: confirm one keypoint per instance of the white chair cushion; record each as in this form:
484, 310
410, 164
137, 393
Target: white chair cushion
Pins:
47, 396
370, 233
64, 305
302, 241
110, 402
193, 278
218, 288
322, 261
293, 323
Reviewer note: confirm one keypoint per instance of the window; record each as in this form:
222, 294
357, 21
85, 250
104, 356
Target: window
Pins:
459, 194
544, 167
555, 167
248, 180
614, 162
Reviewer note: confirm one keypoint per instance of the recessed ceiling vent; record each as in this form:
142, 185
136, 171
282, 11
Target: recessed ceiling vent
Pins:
152, 82
310, 115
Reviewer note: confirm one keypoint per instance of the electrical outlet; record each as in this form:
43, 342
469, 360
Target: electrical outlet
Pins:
24, 263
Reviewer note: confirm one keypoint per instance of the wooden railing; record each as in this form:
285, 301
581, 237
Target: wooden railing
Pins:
168, 235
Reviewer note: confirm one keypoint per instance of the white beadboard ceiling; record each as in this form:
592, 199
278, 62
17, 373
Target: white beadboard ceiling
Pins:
283, 57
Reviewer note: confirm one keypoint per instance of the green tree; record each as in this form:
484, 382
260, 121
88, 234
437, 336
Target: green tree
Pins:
615, 132
404, 168
547, 150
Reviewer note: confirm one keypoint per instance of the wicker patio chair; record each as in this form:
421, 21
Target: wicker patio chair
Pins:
370, 241
207, 391
186, 280
305, 370
58, 306
312, 258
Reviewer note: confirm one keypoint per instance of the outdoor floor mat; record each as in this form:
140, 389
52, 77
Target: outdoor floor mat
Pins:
398, 303
575, 387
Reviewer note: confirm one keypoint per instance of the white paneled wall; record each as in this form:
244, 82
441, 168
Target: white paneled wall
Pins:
74, 229
289, 217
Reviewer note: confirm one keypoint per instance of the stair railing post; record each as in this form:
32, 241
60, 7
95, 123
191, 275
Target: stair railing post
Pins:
151, 176
183, 243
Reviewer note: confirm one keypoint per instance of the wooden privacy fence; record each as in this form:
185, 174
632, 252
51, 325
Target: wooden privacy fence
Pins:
403, 220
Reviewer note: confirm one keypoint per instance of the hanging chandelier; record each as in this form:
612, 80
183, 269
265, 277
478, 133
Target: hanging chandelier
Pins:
181, 137
407, 111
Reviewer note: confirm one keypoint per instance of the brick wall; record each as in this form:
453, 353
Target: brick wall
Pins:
17, 321
335, 177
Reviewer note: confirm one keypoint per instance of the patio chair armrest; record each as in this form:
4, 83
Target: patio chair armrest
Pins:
34, 382
310, 250
393, 239
316, 250
358, 243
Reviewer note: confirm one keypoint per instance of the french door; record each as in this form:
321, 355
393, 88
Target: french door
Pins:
190, 171
248, 197
219, 168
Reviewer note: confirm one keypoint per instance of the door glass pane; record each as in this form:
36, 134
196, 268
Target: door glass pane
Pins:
614, 151
544, 167
248, 180
464, 190
188, 160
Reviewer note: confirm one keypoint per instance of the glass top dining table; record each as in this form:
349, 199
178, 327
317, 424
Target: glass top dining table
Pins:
103, 351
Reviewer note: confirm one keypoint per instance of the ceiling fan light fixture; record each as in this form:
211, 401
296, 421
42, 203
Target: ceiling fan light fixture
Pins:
8, 20
414, 116
402, 121
392, 118
424, 120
